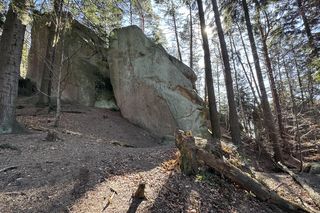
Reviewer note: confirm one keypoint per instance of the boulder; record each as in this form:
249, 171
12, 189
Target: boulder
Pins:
153, 89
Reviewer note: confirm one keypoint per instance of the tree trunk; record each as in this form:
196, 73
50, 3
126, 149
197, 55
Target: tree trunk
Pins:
274, 92
214, 116
233, 116
60, 32
248, 61
298, 73
191, 37
294, 112
312, 46
131, 20
307, 28
239, 100
45, 88
142, 21
58, 111
218, 86
267, 115
11, 44
176, 34
245, 72
48, 70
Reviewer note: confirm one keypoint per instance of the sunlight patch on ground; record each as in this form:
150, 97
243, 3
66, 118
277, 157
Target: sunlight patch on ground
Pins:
124, 185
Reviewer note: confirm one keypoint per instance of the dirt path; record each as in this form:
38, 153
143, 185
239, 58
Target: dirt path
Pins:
75, 174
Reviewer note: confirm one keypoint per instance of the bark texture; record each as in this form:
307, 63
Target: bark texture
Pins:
274, 92
214, 117
11, 45
176, 33
267, 114
233, 116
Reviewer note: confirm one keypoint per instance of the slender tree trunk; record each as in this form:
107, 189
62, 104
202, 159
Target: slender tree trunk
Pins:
131, 19
307, 28
176, 34
48, 70
298, 73
205, 92
267, 114
311, 44
142, 21
141, 14
294, 107
214, 116
248, 61
58, 111
11, 44
245, 72
45, 88
218, 87
61, 24
191, 37
239, 99
274, 92
290, 86
233, 116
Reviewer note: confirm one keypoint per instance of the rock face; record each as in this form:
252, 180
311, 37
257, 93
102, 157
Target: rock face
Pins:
85, 71
153, 89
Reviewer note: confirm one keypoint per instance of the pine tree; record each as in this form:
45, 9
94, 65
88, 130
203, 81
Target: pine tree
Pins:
267, 114
213, 113
233, 116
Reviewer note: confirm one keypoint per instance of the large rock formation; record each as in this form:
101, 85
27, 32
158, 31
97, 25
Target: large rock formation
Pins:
153, 89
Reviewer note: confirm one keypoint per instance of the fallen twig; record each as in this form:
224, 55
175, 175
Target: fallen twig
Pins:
40, 128
276, 187
71, 132
72, 111
114, 192
116, 143
8, 168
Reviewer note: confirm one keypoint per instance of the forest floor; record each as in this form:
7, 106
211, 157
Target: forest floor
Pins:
99, 155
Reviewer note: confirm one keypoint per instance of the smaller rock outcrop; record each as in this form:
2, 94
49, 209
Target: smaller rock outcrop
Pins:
85, 71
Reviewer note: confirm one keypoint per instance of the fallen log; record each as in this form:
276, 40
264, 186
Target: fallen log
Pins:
192, 157
312, 193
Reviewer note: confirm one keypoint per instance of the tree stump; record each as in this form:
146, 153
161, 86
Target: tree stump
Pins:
188, 161
192, 157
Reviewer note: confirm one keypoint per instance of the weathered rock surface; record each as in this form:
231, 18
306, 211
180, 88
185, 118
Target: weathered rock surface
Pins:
85, 69
153, 89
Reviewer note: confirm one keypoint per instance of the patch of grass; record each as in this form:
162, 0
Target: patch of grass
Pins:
8, 146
